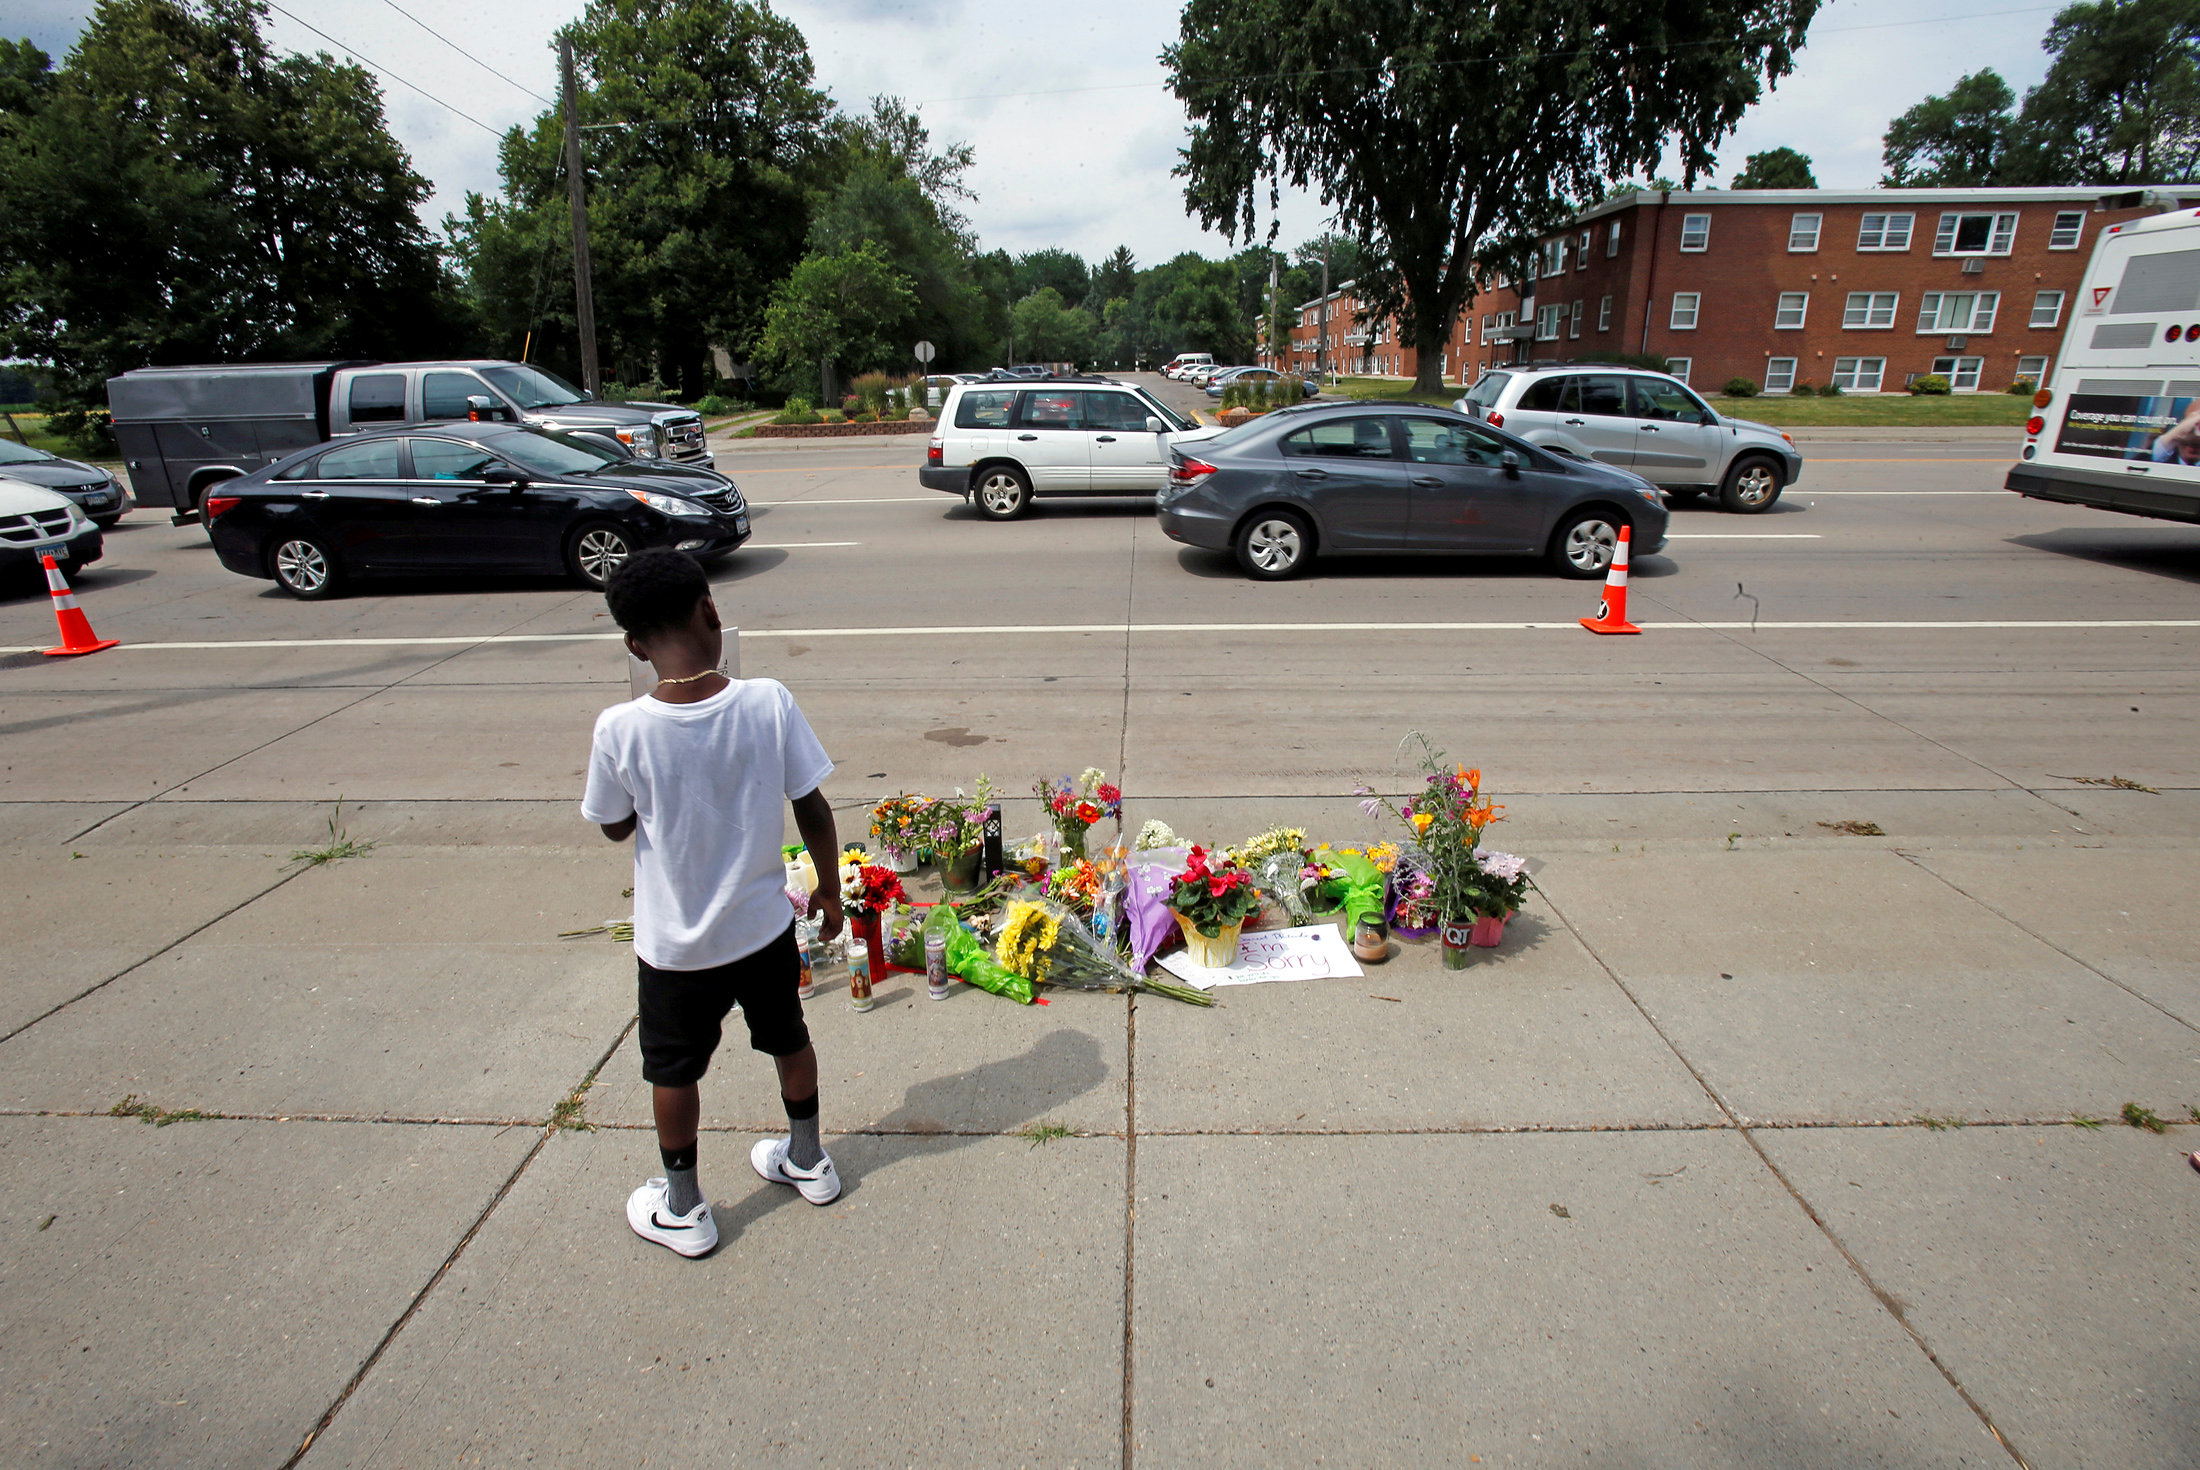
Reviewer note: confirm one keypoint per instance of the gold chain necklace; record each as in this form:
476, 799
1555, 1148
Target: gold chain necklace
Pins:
688, 678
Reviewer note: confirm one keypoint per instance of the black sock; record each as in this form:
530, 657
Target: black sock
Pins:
682, 1193
803, 1148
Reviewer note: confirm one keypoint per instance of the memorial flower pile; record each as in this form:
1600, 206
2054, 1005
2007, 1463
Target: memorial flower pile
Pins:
1446, 819
1075, 805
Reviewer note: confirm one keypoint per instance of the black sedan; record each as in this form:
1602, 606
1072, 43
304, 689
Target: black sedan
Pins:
476, 497
1394, 477
92, 489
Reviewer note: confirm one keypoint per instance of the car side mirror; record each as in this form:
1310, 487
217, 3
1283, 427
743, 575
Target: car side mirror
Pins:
1155, 426
481, 409
1510, 459
504, 475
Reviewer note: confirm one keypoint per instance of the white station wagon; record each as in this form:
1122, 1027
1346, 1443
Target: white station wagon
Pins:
999, 444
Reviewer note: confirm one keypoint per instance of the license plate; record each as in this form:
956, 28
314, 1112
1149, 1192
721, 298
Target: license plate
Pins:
99, 500
741, 524
54, 549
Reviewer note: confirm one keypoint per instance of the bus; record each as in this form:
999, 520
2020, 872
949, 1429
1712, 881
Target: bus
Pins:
2117, 424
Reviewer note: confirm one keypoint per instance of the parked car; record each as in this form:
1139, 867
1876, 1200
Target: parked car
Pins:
999, 444
1180, 366
937, 385
35, 523
1251, 375
499, 498
91, 488
1317, 479
1647, 422
1199, 374
184, 429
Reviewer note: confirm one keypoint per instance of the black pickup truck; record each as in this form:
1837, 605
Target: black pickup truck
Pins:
183, 429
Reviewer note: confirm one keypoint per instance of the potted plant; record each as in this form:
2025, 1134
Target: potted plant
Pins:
958, 837
1210, 902
1499, 883
1446, 818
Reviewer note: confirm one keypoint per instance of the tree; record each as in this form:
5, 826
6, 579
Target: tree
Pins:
2121, 100
1113, 279
1049, 331
1959, 141
1061, 270
177, 192
704, 141
1449, 136
836, 311
1781, 168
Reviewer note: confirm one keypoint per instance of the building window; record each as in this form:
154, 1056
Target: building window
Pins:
1870, 309
1779, 374
2069, 230
1859, 374
1573, 328
1611, 240
1885, 232
1546, 322
1788, 315
1677, 367
2032, 370
1554, 258
1976, 234
1604, 315
1961, 372
1489, 324
2046, 308
1581, 256
1957, 311
1803, 234
1695, 232
1685, 304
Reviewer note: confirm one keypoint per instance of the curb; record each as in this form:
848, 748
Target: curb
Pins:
838, 431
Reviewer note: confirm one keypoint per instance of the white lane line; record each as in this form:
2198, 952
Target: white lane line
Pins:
1807, 493
1085, 629
793, 545
933, 499
1747, 536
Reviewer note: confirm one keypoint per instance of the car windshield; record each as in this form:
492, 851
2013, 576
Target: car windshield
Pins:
553, 454
1177, 422
531, 387
21, 454
1484, 393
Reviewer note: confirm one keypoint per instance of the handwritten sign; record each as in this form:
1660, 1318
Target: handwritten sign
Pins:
1316, 952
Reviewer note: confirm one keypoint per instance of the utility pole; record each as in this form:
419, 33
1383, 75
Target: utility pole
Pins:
576, 193
1275, 313
1321, 348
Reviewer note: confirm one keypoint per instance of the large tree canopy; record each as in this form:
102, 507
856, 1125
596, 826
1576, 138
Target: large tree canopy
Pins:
1957, 141
1447, 135
1777, 168
177, 192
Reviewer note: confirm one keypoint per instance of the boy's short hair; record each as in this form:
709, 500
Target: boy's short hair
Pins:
655, 589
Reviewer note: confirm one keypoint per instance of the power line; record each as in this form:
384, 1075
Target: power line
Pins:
446, 40
1471, 60
393, 76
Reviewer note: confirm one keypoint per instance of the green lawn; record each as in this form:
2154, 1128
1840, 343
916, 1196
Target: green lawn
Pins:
1786, 411
30, 428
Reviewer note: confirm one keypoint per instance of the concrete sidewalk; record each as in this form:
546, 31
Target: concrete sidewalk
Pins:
1770, 1151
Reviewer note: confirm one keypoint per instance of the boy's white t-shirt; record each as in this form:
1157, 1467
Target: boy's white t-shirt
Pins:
709, 782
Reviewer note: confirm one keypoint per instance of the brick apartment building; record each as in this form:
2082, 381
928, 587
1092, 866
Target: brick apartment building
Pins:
1868, 289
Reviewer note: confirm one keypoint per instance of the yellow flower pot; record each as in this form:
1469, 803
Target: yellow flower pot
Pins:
1218, 953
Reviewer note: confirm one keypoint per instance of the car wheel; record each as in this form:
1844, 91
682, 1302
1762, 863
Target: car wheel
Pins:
1751, 486
1275, 545
1585, 544
304, 567
597, 551
1002, 493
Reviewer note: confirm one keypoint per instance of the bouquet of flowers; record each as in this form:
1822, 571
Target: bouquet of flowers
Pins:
1413, 909
873, 891
1156, 833
1499, 883
1323, 881
902, 826
968, 957
1073, 806
1257, 849
1446, 818
1048, 944
1077, 886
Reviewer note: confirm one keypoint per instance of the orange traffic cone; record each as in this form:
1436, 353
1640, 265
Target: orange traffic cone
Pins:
1612, 611
76, 629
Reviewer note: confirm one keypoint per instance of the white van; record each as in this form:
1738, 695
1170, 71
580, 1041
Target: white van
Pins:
1180, 366
2117, 424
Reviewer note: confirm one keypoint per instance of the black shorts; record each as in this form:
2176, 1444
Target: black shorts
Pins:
683, 1010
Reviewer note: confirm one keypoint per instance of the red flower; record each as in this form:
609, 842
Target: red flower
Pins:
1109, 795
1088, 813
1218, 885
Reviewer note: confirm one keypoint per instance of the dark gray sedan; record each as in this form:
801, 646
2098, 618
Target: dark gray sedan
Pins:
1368, 477
93, 489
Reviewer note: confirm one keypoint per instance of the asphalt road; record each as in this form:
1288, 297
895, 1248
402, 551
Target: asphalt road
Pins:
1863, 889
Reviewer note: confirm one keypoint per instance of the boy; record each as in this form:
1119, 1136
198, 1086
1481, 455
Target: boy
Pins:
699, 767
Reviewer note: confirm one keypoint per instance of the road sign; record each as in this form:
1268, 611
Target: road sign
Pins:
924, 351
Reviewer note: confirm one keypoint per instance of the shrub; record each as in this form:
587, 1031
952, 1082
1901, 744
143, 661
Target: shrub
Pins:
851, 403
648, 390
1830, 390
2023, 386
1801, 389
90, 431
1264, 395
1740, 388
1931, 384
797, 411
710, 405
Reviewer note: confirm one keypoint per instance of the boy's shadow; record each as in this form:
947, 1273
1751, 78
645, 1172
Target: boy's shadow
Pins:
1061, 1065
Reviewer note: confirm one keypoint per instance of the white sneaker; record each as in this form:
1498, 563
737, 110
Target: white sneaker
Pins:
820, 1186
692, 1234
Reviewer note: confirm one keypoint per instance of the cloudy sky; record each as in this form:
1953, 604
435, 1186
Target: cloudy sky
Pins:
1074, 133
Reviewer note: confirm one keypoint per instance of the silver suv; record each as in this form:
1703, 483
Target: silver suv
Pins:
997, 444
1643, 421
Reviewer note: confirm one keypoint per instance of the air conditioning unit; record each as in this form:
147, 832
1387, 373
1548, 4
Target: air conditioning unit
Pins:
1974, 266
